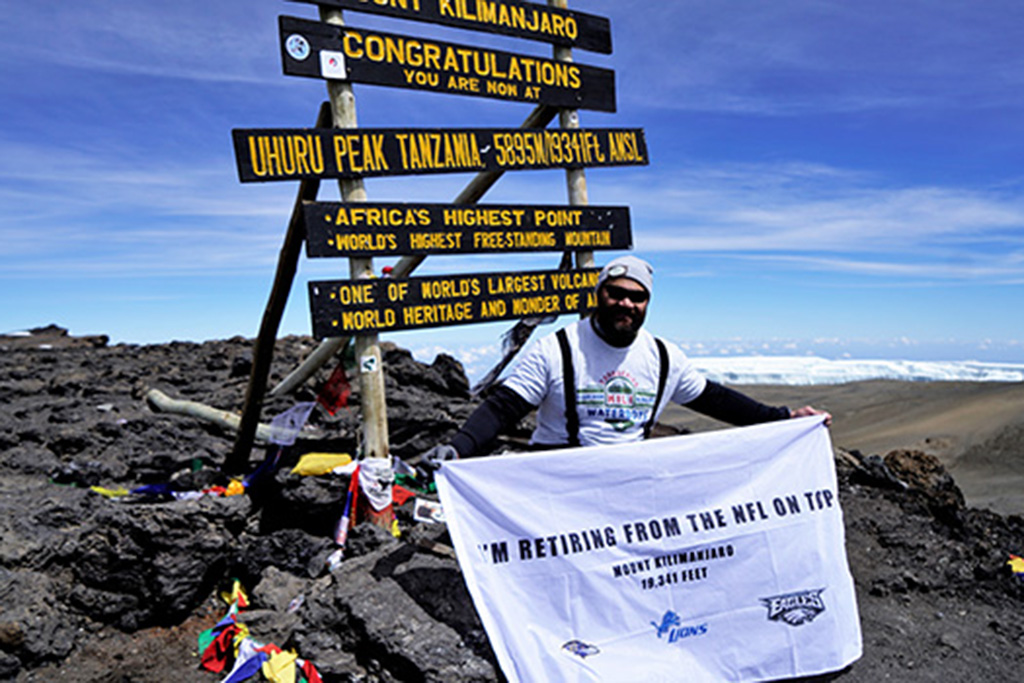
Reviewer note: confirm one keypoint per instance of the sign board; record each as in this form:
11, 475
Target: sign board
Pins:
701, 558
320, 50
341, 307
337, 229
507, 17
266, 154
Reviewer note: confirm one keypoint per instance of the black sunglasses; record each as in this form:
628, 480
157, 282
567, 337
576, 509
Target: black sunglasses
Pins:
637, 296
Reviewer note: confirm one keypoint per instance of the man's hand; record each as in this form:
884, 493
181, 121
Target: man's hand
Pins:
432, 460
807, 411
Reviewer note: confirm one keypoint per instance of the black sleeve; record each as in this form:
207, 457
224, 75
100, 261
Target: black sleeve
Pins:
499, 412
729, 405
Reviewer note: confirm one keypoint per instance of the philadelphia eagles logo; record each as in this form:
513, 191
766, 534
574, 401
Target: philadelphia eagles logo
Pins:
795, 609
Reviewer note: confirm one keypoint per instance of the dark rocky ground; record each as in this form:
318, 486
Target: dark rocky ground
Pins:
98, 590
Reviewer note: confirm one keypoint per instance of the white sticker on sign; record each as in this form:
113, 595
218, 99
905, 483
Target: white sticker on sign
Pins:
297, 46
332, 64
368, 364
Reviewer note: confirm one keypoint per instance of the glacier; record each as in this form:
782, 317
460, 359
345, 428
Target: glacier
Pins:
797, 370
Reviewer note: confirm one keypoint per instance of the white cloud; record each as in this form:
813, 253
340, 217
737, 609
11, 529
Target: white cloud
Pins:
993, 271
850, 222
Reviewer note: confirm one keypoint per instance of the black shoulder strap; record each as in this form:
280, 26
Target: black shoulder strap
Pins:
662, 378
572, 417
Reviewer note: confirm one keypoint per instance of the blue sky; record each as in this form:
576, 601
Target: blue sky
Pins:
826, 177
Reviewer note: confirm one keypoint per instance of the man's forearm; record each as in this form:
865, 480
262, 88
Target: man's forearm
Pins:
729, 405
501, 411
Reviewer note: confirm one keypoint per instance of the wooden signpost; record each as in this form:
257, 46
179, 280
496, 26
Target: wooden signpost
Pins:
364, 304
274, 154
528, 20
318, 50
383, 305
390, 229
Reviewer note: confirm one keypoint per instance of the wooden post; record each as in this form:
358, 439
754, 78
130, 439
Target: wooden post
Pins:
263, 349
540, 117
576, 178
371, 370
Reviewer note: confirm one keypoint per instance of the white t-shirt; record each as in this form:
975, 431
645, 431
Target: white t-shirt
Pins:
615, 387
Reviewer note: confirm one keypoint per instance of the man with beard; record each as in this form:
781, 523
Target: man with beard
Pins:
602, 380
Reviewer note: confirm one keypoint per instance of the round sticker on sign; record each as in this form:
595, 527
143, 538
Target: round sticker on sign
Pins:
297, 46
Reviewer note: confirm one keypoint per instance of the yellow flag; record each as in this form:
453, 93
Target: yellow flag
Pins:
320, 463
280, 668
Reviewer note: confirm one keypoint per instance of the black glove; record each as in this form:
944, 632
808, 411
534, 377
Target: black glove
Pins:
432, 460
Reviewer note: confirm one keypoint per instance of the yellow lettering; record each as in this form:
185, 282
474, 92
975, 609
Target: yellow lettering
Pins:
352, 45
356, 321
487, 11
588, 238
437, 314
535, 305
450, 289
354, 294
256, 156
557, 217
286, 155
493, 309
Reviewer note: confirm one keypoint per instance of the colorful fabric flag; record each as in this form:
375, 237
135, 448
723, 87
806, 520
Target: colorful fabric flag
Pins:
227, 645
312, 464
285, 427
376, 479
236, 595
411, 482
153, 490
309, 671
241, 636
207, 637
336, 392
220, 651
110, 493
280, 668
400, 494
268, 466
1017, 566
247, 663
341, 530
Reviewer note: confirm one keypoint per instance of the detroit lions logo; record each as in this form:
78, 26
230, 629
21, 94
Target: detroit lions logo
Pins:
672, 629
669, 620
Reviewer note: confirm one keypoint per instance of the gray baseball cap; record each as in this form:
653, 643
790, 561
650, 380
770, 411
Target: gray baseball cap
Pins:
631, 267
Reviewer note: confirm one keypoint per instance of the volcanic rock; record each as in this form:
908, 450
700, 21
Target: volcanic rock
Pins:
97, 588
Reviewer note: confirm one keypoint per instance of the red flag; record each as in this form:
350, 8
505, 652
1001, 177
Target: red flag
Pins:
222, 650
335, 393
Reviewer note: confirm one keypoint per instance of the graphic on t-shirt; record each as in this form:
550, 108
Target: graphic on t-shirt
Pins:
617, 400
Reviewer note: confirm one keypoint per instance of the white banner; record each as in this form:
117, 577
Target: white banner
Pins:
709, 557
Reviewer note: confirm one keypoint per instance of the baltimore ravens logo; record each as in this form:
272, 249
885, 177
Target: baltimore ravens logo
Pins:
795, 609
581, 649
